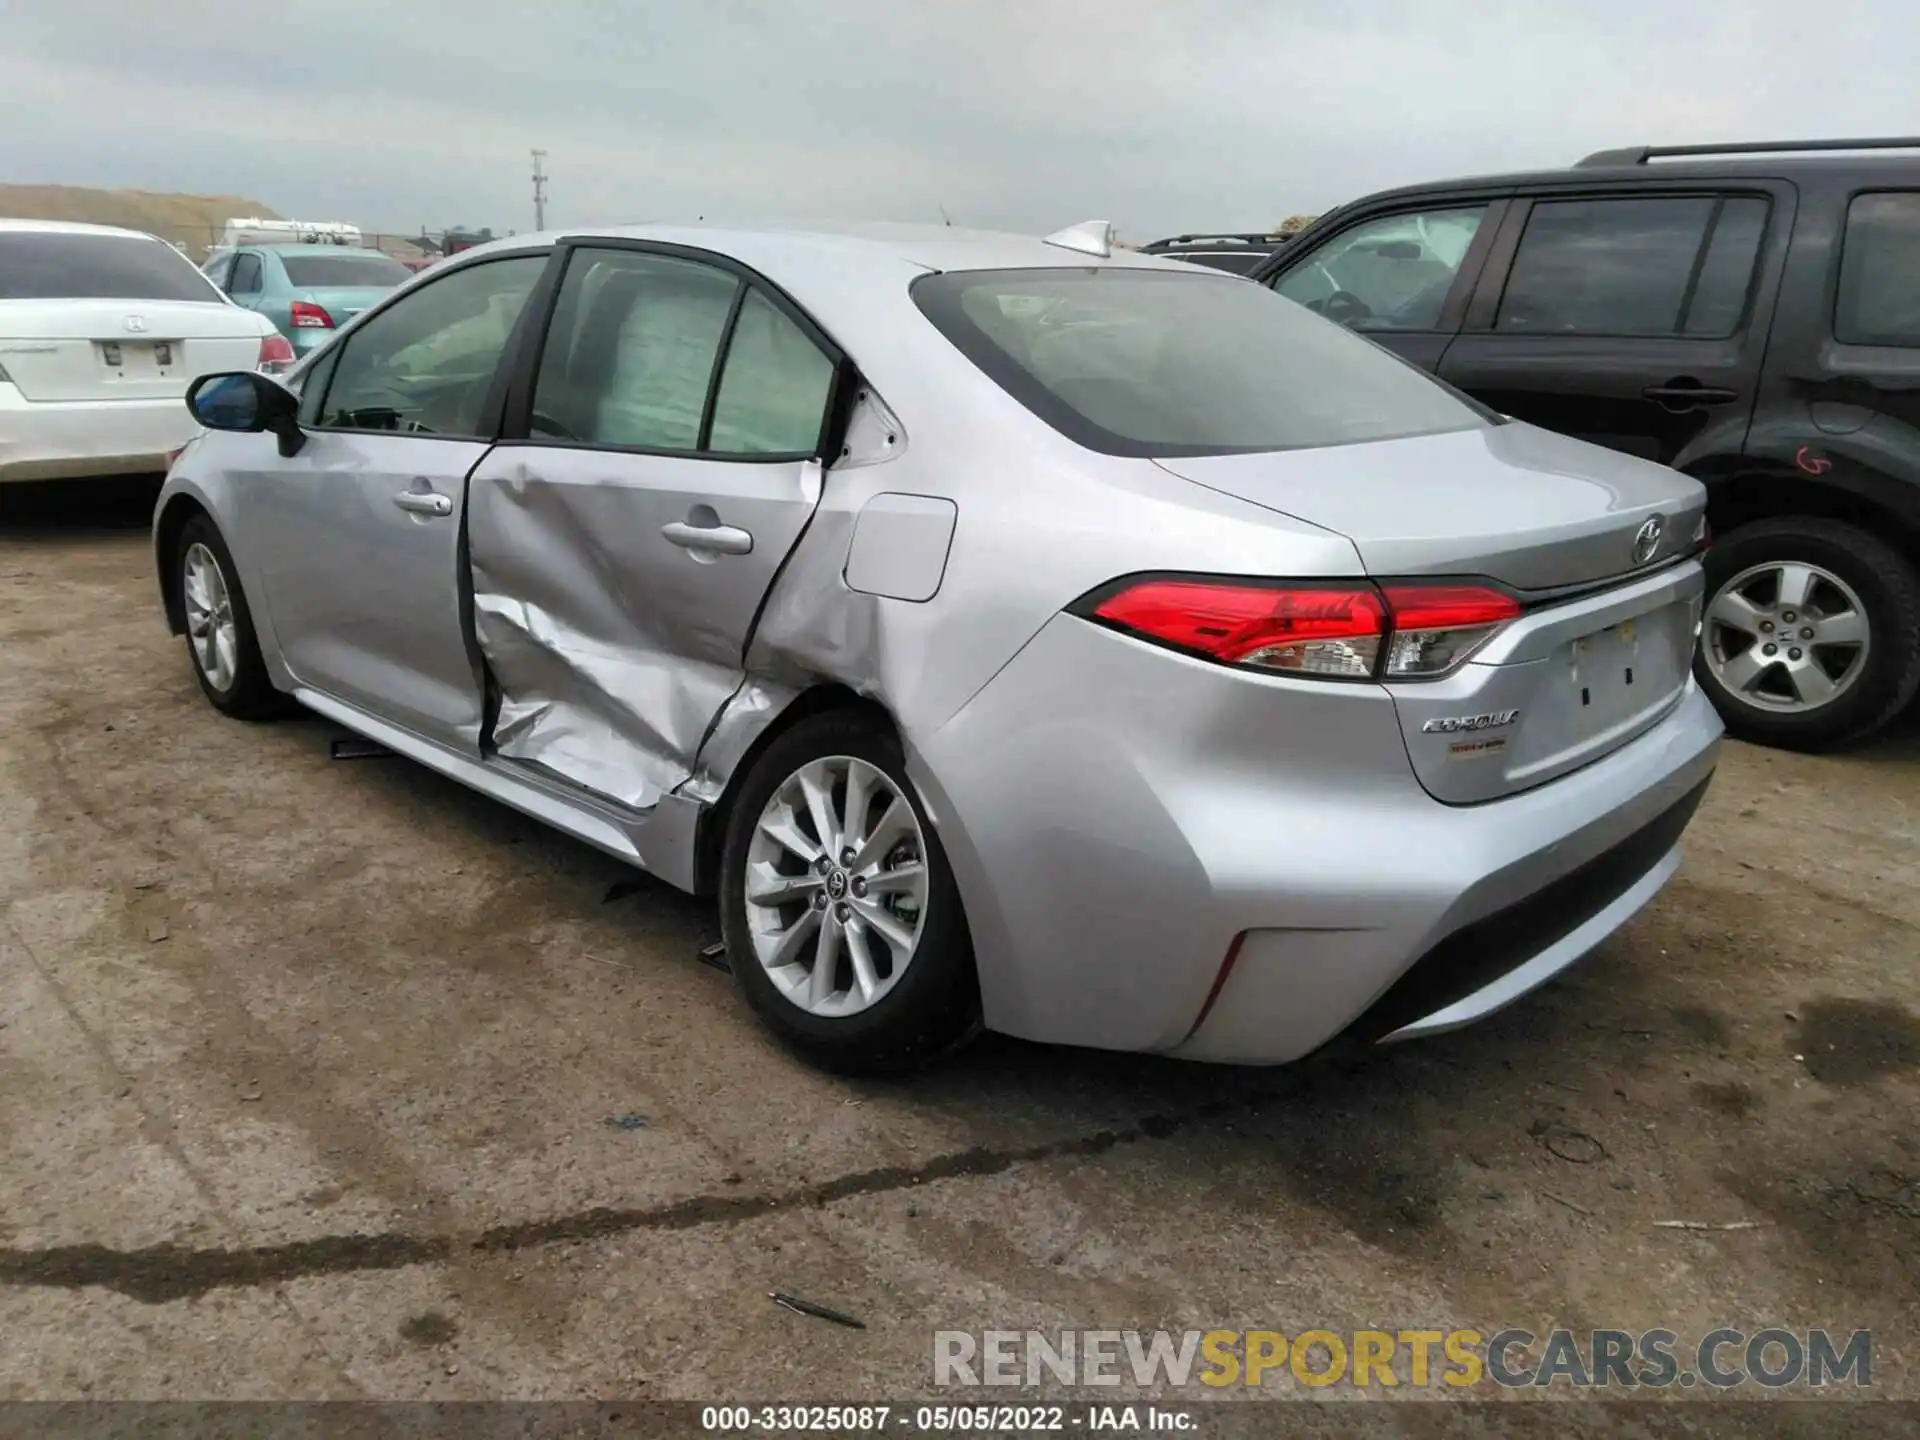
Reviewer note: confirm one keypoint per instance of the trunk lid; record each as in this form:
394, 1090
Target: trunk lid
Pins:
343, 302
121, 349
1575, 677
1524, 506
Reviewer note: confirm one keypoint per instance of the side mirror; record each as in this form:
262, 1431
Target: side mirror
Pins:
248, 402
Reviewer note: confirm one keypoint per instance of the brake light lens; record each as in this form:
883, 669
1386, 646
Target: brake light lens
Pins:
1309, 630
308, 316
1436, 627
1338, 631
276, 354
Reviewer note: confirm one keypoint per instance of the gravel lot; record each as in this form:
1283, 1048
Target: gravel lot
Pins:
306, 1068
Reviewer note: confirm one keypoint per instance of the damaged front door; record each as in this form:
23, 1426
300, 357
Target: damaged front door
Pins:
621, 549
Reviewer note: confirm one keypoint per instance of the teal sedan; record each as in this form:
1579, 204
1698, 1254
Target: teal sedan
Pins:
308, 291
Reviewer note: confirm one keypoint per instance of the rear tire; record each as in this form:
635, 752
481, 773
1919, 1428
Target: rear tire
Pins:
220, 639
878, 1004
1799, 579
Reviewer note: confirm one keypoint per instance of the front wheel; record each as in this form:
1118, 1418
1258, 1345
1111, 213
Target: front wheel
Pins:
220, 638
843, 924
1811, 633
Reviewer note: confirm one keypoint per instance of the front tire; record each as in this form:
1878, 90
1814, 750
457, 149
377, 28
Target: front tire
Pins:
220, 639
843, 924
1810, 638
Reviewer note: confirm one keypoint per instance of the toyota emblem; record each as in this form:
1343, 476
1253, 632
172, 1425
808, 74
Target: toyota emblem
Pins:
1646, 544
136, 323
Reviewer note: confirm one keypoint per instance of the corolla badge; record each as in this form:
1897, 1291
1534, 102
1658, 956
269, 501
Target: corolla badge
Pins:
1454, 724
1646, 544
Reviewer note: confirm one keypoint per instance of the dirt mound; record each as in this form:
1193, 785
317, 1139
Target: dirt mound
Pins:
191, 220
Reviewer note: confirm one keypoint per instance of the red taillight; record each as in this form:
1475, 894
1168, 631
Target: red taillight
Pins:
1436, 627
276, 354
1314, 630
1342, 630
308, 316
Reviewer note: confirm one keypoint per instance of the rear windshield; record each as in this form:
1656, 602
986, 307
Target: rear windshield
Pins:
48, 265
1163, 363
366, 272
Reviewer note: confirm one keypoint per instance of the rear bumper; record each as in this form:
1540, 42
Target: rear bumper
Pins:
1122, 819
53, 440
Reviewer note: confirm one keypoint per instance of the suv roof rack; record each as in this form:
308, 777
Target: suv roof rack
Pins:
1246, 237
1640, 154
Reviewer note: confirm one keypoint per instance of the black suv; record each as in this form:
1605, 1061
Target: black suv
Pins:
1749, 314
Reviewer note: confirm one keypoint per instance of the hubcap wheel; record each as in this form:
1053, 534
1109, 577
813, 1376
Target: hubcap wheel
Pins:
210, 626
1786, 636
836, 886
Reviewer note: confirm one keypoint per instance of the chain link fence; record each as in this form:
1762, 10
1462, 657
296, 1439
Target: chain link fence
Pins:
197, 242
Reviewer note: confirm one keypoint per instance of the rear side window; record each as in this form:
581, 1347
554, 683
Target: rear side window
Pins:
319, 272
1879, 297
1645, 266
48, 265
246, 275
661, 352
1151, 362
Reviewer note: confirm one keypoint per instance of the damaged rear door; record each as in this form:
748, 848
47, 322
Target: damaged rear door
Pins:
620, 548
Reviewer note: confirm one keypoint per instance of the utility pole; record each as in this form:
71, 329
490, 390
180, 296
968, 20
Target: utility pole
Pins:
539, 190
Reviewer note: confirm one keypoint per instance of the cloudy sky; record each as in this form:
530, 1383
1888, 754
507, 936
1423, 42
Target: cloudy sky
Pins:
1161, 115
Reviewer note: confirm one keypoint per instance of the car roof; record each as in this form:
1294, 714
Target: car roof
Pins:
315, 249
930, 247
1782, 165
73, 227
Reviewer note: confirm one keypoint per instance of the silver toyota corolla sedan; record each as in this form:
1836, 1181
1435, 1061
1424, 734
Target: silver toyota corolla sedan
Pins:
1014, 634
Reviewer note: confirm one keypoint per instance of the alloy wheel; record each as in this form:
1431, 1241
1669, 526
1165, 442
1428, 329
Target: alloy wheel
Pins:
836, 886
210, 624
1786, 636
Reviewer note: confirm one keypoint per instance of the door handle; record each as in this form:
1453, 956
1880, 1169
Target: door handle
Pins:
720, 539
1690, 395
423, 502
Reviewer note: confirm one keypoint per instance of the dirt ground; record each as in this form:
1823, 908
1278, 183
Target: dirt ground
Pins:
307, 1068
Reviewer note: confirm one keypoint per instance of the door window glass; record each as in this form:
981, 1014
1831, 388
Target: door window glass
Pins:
424, 364
1391, 273
1641, 266
629, 357
774, 389
1879, 297
246, 275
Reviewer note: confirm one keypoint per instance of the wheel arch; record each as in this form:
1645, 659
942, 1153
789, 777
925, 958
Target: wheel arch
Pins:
1851, 495
818, 699
168, 525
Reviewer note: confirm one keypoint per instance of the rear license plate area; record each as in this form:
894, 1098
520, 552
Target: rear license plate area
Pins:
139, 359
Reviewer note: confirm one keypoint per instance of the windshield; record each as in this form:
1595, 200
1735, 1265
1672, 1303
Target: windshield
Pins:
1158, 363
50, 265
365, 272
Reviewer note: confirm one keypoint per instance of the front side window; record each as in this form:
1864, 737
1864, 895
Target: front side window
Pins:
424, 364
56, 265
632, 354
1636, 266
1391, 273
1879, 296
1152, 362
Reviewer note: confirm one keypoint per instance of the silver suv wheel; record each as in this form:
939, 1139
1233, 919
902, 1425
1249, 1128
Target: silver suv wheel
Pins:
1787, 637
836, 886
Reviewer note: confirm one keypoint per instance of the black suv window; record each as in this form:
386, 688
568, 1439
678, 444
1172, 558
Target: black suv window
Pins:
1643, 266
1879, 298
